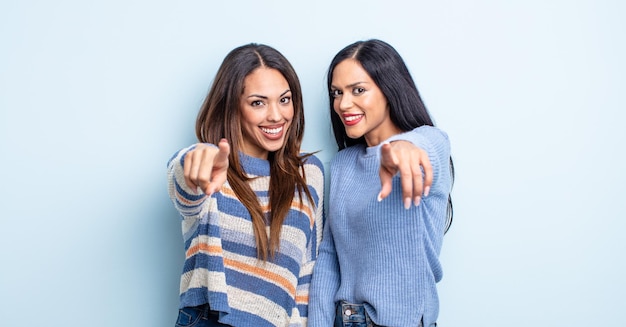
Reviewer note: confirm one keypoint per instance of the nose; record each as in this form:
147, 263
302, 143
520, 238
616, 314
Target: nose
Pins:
273, 113
344, 102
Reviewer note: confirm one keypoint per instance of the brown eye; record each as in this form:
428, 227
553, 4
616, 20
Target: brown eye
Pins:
358, 90
285, 100
335, 93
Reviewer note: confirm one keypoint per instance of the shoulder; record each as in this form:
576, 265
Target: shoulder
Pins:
434, 132
431, 133
313, 166
312, 159
313, 170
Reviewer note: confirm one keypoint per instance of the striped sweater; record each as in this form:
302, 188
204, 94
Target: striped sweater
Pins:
378, 253
221, 267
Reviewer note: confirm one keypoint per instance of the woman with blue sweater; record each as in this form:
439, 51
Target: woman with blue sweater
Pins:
378, 263
251, 217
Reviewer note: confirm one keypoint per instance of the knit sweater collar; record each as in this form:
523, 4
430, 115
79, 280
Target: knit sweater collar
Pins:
254, 166
372, 150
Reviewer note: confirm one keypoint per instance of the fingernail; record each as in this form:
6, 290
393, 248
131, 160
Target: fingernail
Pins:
379, 198
426, 190
407, 203
416, 201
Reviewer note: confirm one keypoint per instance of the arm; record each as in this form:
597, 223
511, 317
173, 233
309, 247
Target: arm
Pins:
325, 283
315, 178
326, 277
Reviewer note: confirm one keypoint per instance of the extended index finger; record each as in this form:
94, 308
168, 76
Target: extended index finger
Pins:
219, 173
221, 159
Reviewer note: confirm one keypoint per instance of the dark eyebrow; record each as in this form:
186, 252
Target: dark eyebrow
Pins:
349, 85
355, 84
264, 97
257, 96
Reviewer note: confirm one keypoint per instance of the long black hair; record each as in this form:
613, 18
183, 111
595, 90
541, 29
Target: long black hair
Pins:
387, 69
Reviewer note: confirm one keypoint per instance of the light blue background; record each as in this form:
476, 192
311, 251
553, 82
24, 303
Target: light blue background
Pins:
96, 96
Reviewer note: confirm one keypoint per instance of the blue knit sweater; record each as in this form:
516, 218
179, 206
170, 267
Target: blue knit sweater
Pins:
221, 267
378, 253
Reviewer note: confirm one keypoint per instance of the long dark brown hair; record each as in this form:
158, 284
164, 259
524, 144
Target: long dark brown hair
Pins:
220, 117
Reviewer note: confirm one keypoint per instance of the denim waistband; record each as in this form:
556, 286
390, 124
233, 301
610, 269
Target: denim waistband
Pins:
354, 315
202, 314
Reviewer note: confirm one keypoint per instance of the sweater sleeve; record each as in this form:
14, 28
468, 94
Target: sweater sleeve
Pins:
436, 143
315, 178
186, 200
325, 283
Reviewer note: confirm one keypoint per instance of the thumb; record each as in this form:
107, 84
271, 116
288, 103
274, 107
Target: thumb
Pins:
222, 156
388, 159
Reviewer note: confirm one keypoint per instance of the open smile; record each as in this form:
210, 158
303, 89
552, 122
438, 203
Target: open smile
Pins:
351, 120
273, 133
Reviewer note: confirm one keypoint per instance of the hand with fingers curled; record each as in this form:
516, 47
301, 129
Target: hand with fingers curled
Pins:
206, 167
412, 164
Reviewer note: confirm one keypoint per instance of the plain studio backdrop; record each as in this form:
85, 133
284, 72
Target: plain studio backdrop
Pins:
95, 96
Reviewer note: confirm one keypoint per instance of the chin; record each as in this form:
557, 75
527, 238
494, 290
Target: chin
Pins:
275, 148
354, 136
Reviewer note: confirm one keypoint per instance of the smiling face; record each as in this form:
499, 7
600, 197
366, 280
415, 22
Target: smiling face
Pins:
266, 111
360, 104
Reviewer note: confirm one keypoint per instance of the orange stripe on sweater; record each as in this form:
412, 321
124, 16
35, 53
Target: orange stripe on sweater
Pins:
185, 201
276, 278
228, 192
216, 250
302, 299
306, 209
211, 249
295, 205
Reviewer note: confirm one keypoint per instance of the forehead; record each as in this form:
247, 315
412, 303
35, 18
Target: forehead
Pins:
265, 81
349, 72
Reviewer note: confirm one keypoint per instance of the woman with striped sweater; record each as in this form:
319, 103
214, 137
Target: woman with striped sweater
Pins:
251, 203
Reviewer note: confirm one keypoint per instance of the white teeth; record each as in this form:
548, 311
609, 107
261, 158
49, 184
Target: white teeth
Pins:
272, 130
353, 118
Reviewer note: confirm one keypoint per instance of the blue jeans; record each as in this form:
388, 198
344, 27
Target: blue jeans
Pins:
354, 315
200, 316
